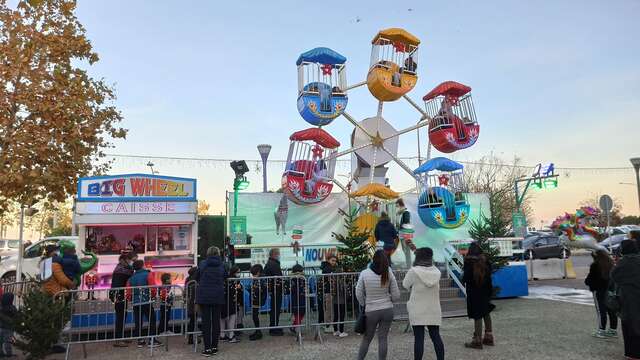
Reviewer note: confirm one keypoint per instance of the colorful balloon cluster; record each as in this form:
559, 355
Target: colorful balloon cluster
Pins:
580, 223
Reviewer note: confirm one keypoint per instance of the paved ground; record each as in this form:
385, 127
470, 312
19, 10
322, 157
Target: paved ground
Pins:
524, 329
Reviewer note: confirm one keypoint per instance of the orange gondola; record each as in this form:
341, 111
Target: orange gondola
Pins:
453, 124
393, 70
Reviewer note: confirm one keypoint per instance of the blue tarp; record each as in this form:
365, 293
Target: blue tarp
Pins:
439, 163
321, 55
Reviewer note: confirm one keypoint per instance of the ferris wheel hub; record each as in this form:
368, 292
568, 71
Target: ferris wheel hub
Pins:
372, 153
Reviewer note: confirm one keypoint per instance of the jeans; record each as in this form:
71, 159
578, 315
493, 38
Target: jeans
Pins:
165, 317
211, 325
418, 345
5, 341
228, 324
600, 300
141, 312
407, 253
339, 312
276, 308
488, 327
121, 314
380, 320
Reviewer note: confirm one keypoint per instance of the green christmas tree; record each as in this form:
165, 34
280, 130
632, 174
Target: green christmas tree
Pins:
39, 323
355, 254
490, 227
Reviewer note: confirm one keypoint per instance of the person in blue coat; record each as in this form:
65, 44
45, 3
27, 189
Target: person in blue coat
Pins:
210, 297
386, 232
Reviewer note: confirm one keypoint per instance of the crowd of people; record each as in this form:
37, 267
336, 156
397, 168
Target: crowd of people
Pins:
214, 294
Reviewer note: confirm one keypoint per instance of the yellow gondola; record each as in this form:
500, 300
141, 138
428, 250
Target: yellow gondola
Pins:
393, 69
367, 221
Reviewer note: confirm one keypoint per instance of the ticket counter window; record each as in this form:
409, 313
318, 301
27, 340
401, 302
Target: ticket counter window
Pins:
112, 240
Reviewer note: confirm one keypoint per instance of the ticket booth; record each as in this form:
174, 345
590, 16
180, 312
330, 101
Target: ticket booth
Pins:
151, 215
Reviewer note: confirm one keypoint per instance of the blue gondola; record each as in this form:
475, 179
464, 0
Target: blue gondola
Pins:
442, 203
321, 85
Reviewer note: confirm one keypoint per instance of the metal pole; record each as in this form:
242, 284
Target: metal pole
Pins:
637, 167
264, 175
20, 245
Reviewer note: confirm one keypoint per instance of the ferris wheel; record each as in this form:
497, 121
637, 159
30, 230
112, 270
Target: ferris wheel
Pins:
309, 174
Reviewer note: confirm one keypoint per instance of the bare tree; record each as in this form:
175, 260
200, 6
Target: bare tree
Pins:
496, 177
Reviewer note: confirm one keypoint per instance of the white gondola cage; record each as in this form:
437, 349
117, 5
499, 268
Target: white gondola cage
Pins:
333, 75
307, 157
440, 109
404, 55
453, 181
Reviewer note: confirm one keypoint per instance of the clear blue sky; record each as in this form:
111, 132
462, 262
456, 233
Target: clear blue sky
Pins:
555, 81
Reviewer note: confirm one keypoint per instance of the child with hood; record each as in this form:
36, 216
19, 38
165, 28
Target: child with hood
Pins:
7, 315
423, 280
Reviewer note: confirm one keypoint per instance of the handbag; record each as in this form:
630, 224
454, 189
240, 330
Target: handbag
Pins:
613, 301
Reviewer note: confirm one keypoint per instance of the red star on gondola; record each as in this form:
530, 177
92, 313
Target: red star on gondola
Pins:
326, 69
400, 47
317, 151
443, 180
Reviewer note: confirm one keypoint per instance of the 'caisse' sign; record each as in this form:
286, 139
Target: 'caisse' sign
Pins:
136, 187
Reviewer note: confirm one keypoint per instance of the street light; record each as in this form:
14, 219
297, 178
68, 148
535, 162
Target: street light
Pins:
636, 165
151, 165
264, 150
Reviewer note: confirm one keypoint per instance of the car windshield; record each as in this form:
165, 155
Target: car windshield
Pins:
14, 244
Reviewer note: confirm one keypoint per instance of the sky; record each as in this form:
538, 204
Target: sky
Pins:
555, 82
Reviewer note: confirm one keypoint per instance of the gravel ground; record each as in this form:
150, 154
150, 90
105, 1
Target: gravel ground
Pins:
524, 329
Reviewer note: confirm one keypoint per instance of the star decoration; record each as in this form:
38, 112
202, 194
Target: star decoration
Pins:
317, 151
400, 47
377, 140
443, 180
326, 69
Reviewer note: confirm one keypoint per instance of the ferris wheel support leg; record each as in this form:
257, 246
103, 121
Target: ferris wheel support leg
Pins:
355, 123
413, 103
400, 162
362, 83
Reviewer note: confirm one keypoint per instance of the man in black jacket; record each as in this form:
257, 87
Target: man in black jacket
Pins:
119, 278
272, 268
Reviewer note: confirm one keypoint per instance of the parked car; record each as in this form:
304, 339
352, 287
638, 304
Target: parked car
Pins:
545, 247
31, 257
613, 241
8, 247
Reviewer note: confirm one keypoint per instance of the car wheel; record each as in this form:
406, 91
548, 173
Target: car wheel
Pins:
9, 277
529, 255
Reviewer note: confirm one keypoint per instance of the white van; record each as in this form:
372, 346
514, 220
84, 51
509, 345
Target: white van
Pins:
32, 256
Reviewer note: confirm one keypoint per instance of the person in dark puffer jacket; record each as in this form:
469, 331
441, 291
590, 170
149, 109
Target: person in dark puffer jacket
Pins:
210, 298
119, 278
386, 232
598, 282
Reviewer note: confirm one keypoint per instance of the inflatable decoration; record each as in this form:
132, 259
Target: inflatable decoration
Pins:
393, 69
453, 124
321, 85
442, 203
310, 166
577, 230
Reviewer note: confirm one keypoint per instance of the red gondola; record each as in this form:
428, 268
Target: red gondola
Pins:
310, 166
453, 123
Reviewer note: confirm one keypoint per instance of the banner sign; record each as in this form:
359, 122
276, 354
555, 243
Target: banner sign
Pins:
136, 187
238, 230
131, 208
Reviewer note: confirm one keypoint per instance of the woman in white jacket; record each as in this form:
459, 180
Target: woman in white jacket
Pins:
423, 280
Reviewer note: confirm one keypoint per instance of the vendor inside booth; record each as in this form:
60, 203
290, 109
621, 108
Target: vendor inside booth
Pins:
153, 216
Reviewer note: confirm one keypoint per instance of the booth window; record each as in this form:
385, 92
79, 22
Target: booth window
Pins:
112, 240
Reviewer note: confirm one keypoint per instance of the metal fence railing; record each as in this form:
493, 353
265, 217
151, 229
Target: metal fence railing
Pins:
321, 303
18, 289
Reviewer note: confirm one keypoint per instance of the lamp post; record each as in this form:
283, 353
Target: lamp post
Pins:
636, 165
151, 165
264, 150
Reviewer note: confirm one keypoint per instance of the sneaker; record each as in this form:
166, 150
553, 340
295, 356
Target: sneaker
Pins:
255, 336
141, 343
234, 340
327, 330
343, 335
207, 353
336, 333
154, 343
120, 344
613, 333
600, 334
214, 351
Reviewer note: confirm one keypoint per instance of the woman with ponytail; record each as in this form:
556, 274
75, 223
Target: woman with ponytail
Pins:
477, 280
377, 289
